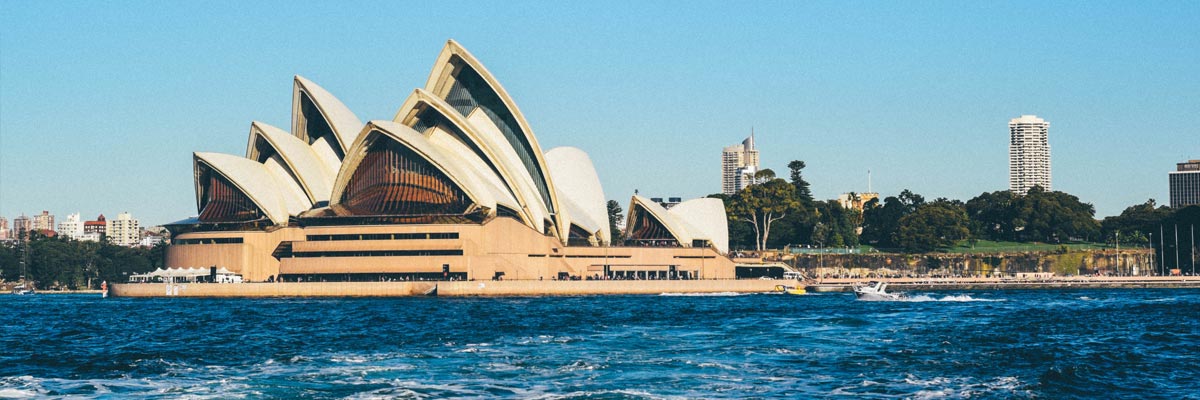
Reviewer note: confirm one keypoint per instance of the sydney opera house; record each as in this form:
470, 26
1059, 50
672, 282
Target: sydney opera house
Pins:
455, 186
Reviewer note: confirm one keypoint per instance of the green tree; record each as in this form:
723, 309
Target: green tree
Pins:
615, 215
763, 204
882, 221
741, 236
803, 191
992, 216
936, 225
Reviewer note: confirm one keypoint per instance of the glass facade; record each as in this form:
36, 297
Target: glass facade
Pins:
393, 180
221, 201
471, 91
649, 231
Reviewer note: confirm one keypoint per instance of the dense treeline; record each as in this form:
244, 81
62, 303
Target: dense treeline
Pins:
777, 213
55, 263
1170, 231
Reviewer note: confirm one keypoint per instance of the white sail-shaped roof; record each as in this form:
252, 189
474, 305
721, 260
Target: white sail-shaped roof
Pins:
461, 139
344, 124
461, 80
460, 174
696, 221
579, 190
707, 219
252, 179
306, 168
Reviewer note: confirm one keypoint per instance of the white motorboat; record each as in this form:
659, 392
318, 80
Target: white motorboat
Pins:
877, 291
22, 290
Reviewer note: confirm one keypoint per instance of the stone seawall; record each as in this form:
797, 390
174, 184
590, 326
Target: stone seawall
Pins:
459, 288
955, 284
1135, 262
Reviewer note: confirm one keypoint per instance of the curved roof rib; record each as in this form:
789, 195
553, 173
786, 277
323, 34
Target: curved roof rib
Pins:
707, 218
579, 189
641, 206
494, 161
461, 80
249, 177
303, 165
460, 175
322, 121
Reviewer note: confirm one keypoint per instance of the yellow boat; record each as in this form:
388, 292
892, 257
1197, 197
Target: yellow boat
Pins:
789, 289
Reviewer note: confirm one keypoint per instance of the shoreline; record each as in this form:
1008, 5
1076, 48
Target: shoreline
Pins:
589, 288
952, 284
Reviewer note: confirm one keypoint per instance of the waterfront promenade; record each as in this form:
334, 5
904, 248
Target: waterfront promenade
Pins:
650, 287
441, 288
935, 284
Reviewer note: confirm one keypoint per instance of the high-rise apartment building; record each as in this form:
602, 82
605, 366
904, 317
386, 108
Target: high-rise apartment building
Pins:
43, 221
124, 230
739, 163
1185, 184
71, 228
1028, 154
22, 224
4, 228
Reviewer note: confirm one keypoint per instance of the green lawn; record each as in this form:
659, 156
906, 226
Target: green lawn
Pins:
988, 246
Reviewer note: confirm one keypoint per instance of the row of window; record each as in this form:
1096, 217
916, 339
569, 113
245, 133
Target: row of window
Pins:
384, 236
379, 253
208, 241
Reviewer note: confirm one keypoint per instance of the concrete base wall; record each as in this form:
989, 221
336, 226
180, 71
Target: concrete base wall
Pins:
460, 288
293, 289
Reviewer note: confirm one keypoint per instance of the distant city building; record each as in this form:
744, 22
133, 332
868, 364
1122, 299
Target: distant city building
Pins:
71, 228
22, 224
150, 240
95, 231
859, 200
4, 228
1185, 184
739, 163
124, 230
43, 221
1028, 154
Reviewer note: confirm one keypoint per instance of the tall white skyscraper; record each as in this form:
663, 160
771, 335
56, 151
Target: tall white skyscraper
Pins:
739, 163
1028, 154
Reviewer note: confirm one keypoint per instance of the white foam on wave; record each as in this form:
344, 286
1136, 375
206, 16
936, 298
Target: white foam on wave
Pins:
714, 294
959, 298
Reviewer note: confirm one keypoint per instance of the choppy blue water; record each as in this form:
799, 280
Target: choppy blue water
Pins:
1048, 344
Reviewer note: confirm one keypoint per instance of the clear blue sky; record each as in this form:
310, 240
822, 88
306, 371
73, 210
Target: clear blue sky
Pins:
101, 104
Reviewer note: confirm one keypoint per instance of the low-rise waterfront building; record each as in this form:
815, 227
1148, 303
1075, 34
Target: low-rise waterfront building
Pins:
1185, 184
856, 201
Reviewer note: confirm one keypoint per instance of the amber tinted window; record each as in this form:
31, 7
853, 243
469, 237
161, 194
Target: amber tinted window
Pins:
393, 180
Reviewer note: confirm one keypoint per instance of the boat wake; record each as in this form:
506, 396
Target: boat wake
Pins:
716, 294
959, 298
923, 298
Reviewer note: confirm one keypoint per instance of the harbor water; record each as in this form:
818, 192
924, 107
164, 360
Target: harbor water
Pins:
997, 344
